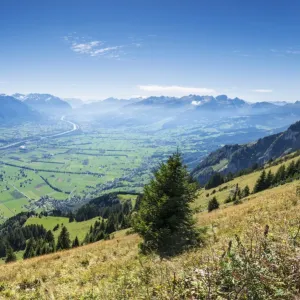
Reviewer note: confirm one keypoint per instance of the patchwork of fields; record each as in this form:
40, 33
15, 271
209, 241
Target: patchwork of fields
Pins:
45, 173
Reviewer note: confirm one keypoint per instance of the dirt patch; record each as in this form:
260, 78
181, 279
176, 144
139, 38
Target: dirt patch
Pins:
37, 187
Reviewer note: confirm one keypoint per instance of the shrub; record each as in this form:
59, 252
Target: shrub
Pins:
213, 204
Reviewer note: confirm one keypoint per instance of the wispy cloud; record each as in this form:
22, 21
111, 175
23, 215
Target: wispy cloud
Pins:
85, 48
262, 91
94, 48
175, 90
293, 51
289, 51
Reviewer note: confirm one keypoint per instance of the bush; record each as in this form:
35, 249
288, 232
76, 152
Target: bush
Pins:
213, 204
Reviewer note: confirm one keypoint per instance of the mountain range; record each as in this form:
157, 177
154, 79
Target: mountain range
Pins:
12, 109
45, 103
233, 158
172, 111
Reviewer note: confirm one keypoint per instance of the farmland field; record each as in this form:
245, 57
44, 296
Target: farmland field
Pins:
45, 173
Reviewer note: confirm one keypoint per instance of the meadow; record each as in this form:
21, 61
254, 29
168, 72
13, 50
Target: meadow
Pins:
224, 190
114, 269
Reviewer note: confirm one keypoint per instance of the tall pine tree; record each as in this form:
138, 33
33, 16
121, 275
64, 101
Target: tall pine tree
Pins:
164, 219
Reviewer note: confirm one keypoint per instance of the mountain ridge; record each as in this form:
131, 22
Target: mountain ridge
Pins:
234, 158
44, 103
15, 110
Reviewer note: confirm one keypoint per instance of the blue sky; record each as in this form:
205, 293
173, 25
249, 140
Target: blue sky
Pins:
123, 48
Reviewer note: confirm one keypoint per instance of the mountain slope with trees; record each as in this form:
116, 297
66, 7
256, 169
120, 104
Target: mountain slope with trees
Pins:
234, 158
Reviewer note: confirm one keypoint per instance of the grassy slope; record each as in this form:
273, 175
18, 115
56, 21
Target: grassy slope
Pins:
250, 180
78, 229
114, 269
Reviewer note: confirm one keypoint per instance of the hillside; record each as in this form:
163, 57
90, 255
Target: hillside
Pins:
114, 270
13, 110
233, 158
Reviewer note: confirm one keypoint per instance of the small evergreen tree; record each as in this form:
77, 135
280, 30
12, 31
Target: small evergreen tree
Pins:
228, 199
214, 181
63, 241
269, 179
291, 170
56, 227
280, 175
2, 249
246, 191
260, 183
71, 217
165, 218
30, 250
10, 255
75, 242
49, 238
213, 204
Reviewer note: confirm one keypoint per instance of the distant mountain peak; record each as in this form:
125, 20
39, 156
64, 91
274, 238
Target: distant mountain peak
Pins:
45, 103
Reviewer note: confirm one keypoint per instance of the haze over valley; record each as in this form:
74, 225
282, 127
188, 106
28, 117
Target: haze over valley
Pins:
55, 156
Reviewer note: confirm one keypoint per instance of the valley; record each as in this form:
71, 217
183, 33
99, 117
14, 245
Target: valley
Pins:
67, 163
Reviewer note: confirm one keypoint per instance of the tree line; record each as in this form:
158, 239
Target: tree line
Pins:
265, 181
36, 240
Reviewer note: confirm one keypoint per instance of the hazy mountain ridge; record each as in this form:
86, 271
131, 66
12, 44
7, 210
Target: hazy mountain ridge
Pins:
233, 158
45, 103
15, 110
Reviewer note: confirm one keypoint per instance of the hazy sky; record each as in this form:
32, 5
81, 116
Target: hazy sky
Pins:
122, 48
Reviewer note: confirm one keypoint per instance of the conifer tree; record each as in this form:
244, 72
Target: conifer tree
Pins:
214, 181
260, 183
30, 250
280, 174
269, 179
2, 249
63, 241
49, 238
246, 191
71, 217
164, 219
10, 255
75, 242
228, 199
291, 169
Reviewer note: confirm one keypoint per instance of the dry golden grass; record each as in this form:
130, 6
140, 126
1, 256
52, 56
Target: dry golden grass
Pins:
114, 269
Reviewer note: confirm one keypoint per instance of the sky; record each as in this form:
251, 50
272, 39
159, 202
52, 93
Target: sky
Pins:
127, 48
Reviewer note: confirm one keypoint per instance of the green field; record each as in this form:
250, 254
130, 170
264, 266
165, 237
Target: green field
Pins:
78, 229
94, 161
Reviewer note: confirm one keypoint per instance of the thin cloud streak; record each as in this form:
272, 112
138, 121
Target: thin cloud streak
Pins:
262, 91
175, 90
97, 48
